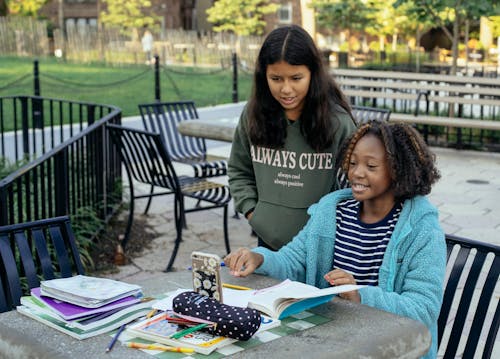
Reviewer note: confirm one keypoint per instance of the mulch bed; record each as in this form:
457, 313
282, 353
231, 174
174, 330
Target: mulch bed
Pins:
104, 252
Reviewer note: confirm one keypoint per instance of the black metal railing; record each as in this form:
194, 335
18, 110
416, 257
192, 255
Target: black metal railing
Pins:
70, 161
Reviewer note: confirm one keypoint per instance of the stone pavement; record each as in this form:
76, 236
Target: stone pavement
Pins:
467, 196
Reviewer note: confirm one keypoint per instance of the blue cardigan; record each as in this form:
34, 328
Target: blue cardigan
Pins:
412, 272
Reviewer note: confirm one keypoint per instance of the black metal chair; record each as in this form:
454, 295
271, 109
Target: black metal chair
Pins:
163, 118
40, 249
147, 161
467, 259
364, 114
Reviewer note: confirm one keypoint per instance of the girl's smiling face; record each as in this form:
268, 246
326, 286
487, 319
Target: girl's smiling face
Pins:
369, 172
289, 85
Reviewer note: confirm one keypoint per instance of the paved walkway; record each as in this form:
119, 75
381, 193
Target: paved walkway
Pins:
467, 195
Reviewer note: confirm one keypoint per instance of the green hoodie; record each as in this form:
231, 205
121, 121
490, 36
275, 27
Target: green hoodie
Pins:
280, 184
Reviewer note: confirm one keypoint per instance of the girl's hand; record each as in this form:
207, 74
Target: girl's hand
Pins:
340, 277
243, 262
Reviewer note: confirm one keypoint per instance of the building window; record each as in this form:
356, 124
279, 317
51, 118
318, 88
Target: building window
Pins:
285, 13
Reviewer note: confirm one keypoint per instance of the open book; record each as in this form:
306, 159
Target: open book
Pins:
290, 297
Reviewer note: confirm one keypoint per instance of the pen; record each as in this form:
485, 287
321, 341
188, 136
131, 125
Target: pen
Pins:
115, 338
159, 347
188, 331
233, 286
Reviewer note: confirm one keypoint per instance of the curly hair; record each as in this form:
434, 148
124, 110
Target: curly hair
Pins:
267, 125
412, 164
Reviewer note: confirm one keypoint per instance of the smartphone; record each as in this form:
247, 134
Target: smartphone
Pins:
206, 274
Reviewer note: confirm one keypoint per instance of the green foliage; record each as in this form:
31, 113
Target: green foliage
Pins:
127, 14
242, 17
6, 167
343, 14
24, 7
495, 25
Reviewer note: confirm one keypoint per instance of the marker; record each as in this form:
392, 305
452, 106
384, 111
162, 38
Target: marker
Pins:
188, 331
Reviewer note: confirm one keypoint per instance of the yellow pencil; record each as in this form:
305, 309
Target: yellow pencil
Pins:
159, 347
151, 313
233, 286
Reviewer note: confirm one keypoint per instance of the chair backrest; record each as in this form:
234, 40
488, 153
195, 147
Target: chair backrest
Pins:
163, 118
144, 156
363, 114
40, 249
472, 274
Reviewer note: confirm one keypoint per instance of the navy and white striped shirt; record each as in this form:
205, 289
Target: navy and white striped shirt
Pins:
360, 247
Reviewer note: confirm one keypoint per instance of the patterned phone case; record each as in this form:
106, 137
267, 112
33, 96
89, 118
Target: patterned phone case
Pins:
206, 275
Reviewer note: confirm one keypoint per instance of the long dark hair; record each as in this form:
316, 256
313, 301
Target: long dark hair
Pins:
266, 122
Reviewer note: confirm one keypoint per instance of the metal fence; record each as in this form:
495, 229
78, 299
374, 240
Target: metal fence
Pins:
70, 161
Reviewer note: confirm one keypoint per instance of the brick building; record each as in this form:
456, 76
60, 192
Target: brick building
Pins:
175, 14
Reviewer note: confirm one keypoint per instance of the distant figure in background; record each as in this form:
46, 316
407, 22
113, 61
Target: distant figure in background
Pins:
147, 44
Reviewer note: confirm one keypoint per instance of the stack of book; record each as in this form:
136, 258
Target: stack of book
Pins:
83, 306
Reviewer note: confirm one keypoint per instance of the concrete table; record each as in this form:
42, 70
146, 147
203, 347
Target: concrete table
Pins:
221, 129
355, 331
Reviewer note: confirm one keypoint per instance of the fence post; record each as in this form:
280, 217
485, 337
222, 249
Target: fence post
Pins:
36, 78
25, 125
61, 182
157, 78
235, 77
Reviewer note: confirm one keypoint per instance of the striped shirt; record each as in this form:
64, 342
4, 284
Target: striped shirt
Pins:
360, 247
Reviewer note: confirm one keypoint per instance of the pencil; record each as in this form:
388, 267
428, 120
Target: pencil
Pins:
151, 313
159, 347
188, 331
233, 286
115, 338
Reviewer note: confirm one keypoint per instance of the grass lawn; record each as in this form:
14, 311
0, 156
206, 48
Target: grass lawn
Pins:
124, 86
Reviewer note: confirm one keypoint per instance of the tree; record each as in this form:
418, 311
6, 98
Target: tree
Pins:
340, 15
127, 14
242, 17
23, 7
445, 12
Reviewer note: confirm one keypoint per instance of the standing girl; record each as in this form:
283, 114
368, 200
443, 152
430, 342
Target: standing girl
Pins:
381, 232
286, 143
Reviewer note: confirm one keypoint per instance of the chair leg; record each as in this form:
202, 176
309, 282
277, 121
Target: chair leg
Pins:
131, 213
150, 198
226, 236
178, 227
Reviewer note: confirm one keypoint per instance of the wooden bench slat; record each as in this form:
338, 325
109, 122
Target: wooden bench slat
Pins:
445, 121
418, 86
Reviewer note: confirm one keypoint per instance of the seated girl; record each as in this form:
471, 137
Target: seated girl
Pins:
381, 232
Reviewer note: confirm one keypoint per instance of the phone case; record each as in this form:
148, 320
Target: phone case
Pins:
206, 274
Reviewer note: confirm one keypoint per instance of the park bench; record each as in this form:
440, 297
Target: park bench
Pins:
451, 102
